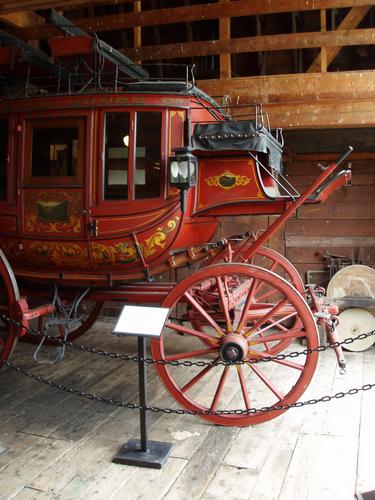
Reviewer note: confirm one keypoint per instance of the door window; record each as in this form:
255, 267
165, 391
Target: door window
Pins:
117, 142
132, 155
148, 155
56, 150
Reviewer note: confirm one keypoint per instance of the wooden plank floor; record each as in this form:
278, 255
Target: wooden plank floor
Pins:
57, 445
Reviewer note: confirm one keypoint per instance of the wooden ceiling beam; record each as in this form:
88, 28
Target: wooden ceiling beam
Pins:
22, 19
254, 44
351, 21
326, 114
201, 12
314, 100
8, 6
302, 87
225, 65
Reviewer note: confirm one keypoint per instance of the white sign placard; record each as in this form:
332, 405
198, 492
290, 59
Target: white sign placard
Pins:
141, 321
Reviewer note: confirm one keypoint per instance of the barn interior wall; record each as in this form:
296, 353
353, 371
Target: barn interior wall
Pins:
342, 227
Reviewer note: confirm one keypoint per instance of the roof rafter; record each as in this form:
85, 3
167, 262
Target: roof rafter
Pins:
351, 21
192, 13
22, 19
254, 44
8, 6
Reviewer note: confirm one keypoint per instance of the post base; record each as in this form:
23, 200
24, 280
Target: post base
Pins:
154, 458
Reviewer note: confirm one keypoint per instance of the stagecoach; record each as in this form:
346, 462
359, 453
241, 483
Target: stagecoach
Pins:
113, 179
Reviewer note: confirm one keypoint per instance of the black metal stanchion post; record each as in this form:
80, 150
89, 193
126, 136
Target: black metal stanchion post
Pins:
142, 393
142, 452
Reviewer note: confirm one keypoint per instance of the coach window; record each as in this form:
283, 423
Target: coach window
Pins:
57, 151
3, 158
148, 155
117, 140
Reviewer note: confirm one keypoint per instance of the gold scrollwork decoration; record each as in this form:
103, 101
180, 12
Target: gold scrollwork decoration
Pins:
63, 255
159, 239
121, 253
53, 212
227, 180
180, 114
126, 252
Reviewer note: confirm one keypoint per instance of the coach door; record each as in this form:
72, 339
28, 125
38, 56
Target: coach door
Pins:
52, 189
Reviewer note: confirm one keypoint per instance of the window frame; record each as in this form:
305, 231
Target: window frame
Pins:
132, 204
103, 183
76, 121
135, 139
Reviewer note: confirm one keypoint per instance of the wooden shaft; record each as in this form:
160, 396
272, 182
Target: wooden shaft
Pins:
294, 206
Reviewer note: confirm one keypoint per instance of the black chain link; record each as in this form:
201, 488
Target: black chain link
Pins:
154, 409
180, 411
137, 359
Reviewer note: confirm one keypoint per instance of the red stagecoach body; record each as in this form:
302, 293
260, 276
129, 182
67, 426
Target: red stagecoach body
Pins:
105, 189
108, 218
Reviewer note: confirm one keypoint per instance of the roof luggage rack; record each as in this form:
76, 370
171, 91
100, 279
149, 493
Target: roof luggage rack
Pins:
99, 47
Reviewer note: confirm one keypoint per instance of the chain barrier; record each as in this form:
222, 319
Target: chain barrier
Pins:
150, 361
180, 411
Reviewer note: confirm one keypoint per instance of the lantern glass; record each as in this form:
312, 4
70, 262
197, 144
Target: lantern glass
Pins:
183, 170
174, 170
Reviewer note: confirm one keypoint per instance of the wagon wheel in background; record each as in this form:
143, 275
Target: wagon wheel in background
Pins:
269, 259
234, 327
9, 295
89, 312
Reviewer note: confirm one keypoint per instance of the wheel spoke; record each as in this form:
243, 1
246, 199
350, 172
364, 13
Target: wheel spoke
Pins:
290, 364
197, 377
194, 333
190, 354
266, 317
292, 334
266, 381
266, 295
245, 394
205, 315
246, 306
273, 266
219, 389
278, 322
224, 302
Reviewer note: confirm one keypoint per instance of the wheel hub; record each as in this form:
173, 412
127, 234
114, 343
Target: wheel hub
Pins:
234, 348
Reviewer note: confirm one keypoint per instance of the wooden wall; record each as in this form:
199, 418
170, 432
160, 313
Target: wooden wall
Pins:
344, 225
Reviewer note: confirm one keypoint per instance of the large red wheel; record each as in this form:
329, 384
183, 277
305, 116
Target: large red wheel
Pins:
219, 301
9, 295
